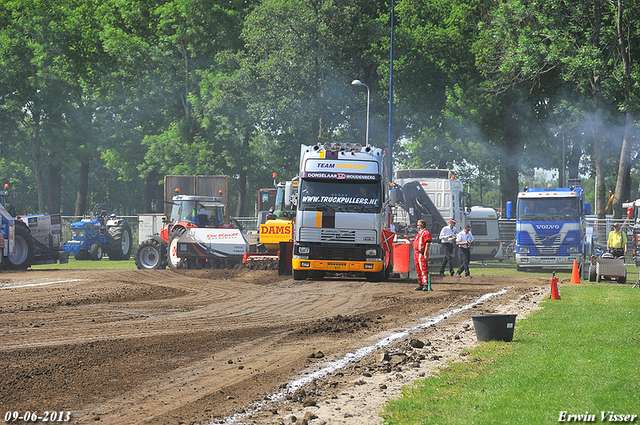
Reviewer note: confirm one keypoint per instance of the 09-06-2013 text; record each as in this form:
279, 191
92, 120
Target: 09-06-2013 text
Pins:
46, 416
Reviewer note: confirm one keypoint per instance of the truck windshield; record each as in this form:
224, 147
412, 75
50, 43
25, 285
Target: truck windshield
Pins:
279, 199
340, 196
548, 209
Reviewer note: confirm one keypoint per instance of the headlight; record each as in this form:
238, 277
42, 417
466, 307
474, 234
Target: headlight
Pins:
304, 249
523, 250
305, 264
371, 252
573, 250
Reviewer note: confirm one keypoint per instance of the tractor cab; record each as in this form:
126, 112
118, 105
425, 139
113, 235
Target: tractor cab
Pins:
202, 211
7, 201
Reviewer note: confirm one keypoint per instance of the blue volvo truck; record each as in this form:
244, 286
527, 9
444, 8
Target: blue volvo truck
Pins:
551, 229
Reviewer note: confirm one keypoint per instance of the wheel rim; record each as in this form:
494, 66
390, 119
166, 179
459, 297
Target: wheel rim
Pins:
20, 251
149, 257
124, 242
173, 253
99, 252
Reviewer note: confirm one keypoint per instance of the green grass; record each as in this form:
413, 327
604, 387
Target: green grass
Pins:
580, 354
104, 264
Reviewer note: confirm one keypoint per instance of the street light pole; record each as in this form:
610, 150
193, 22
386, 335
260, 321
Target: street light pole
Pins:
360, 83
390, 147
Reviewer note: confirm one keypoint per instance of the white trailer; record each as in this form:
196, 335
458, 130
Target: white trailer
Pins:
446, 200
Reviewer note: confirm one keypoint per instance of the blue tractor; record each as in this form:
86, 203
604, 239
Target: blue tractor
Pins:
105, 233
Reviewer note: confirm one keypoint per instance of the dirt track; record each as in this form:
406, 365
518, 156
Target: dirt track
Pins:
170, 347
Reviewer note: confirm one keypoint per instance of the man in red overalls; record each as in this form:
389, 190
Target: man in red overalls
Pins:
421, 246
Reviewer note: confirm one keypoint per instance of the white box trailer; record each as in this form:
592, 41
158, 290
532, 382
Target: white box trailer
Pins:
446, 194
149, 225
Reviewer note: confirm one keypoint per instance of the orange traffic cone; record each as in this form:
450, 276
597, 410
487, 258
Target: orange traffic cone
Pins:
555, 287
575, 274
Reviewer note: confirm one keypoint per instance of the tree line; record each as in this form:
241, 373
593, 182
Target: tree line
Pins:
100, 99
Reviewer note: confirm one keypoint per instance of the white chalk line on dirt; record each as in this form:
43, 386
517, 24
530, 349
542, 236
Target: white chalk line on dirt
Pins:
333, 366
41, 283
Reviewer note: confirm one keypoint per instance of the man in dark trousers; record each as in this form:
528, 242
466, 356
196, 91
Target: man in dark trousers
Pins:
464, 241
448, 240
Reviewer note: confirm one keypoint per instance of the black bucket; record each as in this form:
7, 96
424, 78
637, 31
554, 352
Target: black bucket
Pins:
494, 327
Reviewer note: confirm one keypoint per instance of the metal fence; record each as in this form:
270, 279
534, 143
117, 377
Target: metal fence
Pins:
507, 228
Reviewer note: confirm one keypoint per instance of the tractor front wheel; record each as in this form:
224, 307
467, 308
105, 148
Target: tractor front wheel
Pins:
151, 255
96, 252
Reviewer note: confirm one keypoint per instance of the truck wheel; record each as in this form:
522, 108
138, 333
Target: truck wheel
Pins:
23, 250
172, 256
299, 274
151, 255
119, 242
96, 252
592, 273
375, 276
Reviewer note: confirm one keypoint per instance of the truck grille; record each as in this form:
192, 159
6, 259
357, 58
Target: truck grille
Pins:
546, 240
338, 253
346, 236
548, 250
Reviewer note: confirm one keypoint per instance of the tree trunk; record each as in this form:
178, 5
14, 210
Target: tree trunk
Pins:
154, 194
624, 167
574, 160
83, 188
242, 193
55, 188
37, 168
242, 182
601, 190
509, 179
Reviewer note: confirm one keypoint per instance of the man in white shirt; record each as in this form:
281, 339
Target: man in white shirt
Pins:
464, 240
448, 239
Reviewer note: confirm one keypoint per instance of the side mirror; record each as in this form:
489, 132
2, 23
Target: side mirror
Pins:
509, 207
587, 208
392, 197
288, 192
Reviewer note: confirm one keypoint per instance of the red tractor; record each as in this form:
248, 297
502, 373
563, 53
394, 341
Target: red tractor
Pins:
195, 236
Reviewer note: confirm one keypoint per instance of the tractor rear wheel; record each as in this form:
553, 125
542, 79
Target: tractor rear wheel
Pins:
119, 241
172, 255
23, 250
151, 255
